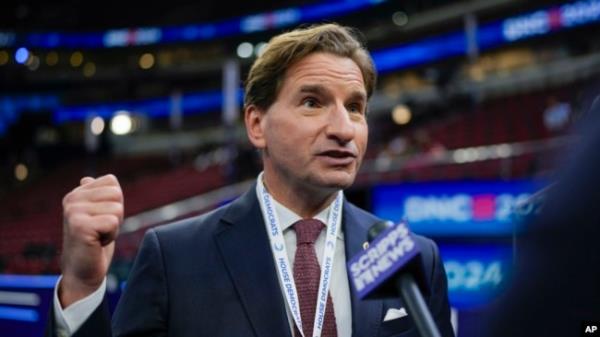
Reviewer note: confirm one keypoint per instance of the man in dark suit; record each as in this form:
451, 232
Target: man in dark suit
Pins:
229, 272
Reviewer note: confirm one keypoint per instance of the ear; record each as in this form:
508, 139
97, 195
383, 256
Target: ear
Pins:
254, 120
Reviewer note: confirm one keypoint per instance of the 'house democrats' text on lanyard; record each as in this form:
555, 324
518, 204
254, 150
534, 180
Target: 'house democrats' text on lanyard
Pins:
282, 262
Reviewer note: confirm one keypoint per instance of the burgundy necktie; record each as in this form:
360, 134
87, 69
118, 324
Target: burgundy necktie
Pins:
307, 273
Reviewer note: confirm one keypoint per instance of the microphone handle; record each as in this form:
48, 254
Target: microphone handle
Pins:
417, 308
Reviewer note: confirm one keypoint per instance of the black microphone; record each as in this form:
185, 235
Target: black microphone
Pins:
390, 267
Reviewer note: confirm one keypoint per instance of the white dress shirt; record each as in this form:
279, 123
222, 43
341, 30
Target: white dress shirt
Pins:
69, 319
339, 288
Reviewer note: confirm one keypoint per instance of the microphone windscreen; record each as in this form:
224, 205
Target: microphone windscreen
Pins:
392, 250
378, 228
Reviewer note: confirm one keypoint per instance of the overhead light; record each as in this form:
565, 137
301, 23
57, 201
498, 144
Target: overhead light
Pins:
400, 18
401, 114
97, 125
3, 57
165, 58
89, 69
52, 58
146, 61
245, 49
476, 72
33, 63
121, 123
22, 55
260, 48
76, 59
21, 172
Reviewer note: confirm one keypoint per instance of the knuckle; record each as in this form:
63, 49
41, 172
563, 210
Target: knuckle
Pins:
76, 222
67, 198
114, 222
74, 213
119, 208
115, 191
111, 178
68, 210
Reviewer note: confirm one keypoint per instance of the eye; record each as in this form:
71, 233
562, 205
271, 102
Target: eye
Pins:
310, 102
356, 108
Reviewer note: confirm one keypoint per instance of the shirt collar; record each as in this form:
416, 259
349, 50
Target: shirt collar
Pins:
287, 217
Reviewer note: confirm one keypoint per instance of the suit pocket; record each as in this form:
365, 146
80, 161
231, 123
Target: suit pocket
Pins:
399, 327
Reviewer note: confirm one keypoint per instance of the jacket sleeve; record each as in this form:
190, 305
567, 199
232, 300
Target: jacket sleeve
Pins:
142, 309
97, 325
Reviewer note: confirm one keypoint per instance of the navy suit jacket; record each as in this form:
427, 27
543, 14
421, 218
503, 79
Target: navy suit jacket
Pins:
214, 275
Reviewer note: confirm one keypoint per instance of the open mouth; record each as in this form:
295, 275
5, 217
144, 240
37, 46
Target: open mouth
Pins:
338, 157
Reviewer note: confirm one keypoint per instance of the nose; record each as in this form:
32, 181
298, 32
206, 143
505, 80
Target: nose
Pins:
340, 127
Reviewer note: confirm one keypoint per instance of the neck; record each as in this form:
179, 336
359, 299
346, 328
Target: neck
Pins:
301, 200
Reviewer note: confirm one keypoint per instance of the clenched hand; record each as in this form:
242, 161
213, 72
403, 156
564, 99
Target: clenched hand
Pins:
92, 214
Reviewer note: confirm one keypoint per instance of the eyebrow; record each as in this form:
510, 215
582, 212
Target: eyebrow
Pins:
358, 96
319, 89
313, 89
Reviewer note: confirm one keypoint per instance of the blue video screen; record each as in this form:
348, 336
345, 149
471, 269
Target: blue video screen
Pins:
25, 302
454, 209
477, 273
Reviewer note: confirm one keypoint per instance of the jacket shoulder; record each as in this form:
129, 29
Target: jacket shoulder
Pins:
184, 227
361, 215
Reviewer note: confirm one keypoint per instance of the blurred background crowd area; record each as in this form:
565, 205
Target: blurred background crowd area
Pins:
468, 90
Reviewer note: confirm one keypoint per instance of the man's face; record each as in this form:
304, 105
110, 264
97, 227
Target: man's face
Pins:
315, 134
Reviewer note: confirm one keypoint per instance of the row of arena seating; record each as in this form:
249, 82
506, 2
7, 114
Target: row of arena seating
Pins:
509, 120
36, 218
514, 119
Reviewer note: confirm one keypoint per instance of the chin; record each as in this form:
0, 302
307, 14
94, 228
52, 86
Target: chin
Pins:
338, 180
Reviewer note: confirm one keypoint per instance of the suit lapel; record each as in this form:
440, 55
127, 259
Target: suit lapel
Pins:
245, 248
366, 315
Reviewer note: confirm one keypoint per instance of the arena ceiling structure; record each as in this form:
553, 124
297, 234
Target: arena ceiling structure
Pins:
65, 63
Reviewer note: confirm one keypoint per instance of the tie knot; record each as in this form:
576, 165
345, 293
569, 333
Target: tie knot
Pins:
307, 230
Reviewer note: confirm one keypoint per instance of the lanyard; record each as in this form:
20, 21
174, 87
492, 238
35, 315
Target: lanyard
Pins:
282, 262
